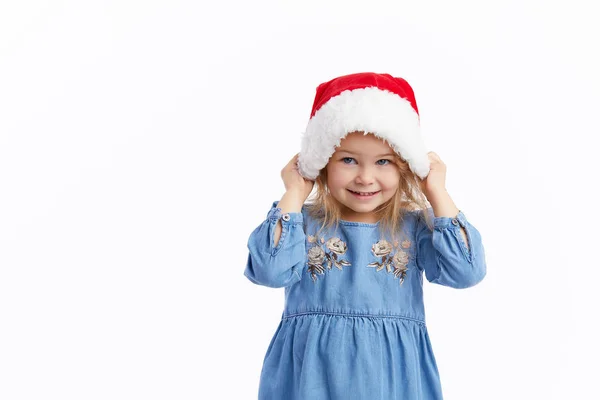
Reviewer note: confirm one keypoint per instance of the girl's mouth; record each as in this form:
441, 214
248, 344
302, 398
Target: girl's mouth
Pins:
363, 195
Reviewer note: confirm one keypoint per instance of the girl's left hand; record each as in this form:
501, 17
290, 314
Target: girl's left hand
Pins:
435, 182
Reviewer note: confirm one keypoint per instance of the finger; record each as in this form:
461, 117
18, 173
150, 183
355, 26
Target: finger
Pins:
434, 158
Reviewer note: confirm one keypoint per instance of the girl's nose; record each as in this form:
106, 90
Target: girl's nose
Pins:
365, 176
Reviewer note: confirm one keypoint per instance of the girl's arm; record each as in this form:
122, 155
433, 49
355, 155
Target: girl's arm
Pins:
444, 255
277, 246
291, 202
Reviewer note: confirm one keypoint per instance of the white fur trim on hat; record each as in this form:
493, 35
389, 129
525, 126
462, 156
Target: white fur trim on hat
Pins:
372, 110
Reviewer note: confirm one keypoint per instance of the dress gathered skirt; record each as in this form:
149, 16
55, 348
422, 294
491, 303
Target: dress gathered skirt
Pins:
353, 324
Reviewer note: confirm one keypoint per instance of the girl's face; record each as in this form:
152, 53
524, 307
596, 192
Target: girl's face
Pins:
362, 175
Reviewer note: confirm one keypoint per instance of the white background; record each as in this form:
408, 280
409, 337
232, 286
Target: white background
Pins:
141, 142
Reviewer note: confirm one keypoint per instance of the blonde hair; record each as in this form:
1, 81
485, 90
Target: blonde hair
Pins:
408, 197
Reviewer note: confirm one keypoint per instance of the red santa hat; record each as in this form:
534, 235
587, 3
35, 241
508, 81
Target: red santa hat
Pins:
374, 103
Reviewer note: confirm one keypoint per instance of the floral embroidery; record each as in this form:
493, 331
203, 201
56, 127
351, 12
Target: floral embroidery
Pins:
319, 259
398, 261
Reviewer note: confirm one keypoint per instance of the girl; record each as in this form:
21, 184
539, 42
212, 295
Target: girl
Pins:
352, 260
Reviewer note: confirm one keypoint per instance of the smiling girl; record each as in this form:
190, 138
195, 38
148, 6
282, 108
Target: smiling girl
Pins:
352, 259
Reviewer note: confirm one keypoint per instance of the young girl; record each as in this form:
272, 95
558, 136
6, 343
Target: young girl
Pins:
352, 260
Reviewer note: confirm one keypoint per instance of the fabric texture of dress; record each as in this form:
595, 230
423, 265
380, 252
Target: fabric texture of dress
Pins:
353, 324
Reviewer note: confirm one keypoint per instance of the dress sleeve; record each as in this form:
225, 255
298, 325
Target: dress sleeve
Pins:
281, 265
443, 254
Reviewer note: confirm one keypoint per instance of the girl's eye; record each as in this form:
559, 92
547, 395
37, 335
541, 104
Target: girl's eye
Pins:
349, 160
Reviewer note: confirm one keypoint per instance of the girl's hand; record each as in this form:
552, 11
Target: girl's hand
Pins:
435, 182
294, 182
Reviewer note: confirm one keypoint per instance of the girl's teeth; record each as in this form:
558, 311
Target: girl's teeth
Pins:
365, 194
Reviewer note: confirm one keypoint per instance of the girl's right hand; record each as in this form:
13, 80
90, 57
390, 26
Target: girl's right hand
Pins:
294, 182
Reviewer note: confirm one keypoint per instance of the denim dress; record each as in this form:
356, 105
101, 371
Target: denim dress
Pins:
353, 323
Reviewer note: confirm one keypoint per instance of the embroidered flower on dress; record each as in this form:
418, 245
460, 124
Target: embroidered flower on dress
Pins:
336, 245
316, 255
400, 261
383, 249
319, 259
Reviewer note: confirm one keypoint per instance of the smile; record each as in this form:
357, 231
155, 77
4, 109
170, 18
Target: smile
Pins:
363, 194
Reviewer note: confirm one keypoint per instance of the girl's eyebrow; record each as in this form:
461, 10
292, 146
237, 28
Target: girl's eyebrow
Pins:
380, 155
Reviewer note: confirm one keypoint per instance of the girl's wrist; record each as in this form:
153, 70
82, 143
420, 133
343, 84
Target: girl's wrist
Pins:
297, 193
292, 201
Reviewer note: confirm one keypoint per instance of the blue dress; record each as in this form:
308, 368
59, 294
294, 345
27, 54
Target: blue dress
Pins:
353, 324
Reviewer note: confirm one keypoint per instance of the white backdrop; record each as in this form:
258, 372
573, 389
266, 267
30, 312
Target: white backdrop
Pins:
141, 142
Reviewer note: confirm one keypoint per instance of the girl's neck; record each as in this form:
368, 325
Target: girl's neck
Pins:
350, 216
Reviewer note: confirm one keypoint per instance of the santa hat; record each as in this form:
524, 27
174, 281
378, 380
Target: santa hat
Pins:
374, 103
